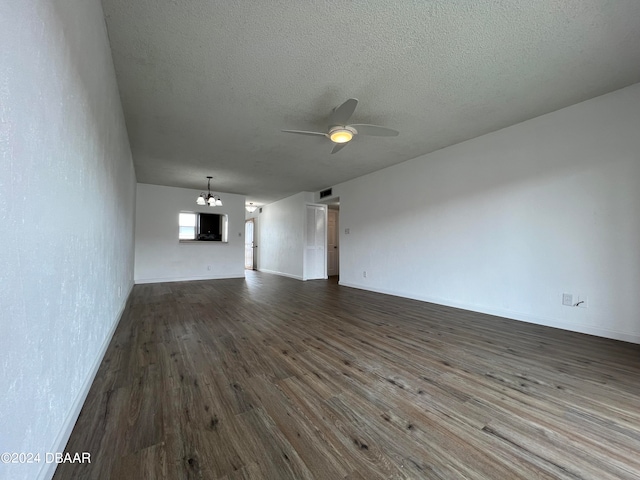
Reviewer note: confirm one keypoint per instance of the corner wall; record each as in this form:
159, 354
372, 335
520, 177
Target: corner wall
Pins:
281, 233
507, 222
67, 197
159, 257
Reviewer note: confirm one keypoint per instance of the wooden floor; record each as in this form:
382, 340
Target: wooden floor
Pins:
273, 378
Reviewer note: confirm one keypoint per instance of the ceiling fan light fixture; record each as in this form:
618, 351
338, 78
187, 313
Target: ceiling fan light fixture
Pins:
341, 134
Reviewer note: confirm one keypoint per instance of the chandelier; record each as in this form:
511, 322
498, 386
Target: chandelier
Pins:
208, 198
251, 207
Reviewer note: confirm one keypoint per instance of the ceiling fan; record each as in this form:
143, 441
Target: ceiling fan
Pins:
340, 133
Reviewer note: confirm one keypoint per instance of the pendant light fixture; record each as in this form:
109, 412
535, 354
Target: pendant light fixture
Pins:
251, 207
208, 198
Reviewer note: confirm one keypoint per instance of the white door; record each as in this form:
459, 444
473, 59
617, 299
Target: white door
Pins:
248, 244
315, 259
332, 242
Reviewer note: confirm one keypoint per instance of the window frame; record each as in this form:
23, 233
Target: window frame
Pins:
224, 218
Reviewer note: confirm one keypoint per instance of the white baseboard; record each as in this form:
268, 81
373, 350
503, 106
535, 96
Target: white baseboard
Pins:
274, 272
513, 315
48, 469
140, 281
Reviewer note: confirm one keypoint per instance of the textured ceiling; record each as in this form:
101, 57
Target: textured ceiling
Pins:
207, 86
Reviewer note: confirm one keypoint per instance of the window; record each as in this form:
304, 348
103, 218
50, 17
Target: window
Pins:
206, 227
187, 224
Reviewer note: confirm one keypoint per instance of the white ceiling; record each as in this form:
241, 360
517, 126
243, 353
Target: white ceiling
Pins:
207, 85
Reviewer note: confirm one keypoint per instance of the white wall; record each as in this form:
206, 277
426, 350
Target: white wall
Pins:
67, 195
507, 222
281, 232
161, 258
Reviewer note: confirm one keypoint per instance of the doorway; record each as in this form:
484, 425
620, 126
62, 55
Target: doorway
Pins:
315, 240
333, 255
248, 244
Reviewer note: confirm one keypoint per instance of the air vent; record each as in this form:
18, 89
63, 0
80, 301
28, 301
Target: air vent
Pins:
325, 193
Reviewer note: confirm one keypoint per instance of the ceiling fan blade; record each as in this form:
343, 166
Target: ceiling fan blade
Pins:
374, 130
302, 132
341, 115
338, 146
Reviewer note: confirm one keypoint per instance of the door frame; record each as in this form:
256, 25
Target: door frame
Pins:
253, 244
336, 212
304, 240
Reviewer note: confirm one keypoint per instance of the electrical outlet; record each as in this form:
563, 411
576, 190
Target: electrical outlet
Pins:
364, 274
347, 231
567, 299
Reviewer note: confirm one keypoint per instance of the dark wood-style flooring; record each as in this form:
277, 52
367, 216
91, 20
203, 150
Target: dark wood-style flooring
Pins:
273, 378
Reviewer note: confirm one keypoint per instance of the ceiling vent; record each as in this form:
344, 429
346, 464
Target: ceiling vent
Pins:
325, 193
